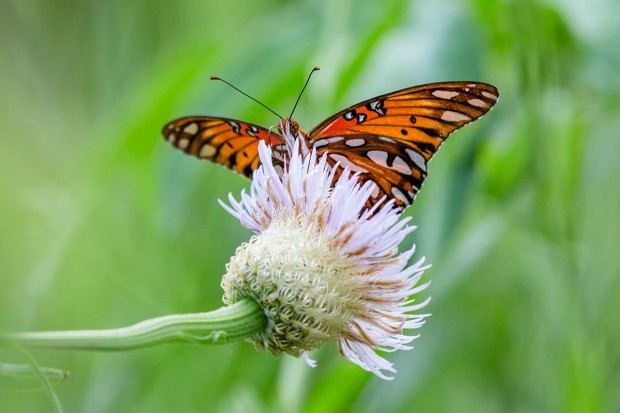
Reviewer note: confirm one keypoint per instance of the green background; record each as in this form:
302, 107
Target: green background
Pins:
103, 224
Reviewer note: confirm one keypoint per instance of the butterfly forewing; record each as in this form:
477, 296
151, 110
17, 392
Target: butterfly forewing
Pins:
228, 142
391, 138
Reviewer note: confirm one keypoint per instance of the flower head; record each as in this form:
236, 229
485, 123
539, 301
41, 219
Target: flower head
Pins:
322, 266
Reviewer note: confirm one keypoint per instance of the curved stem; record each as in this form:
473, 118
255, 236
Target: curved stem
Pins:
224, 325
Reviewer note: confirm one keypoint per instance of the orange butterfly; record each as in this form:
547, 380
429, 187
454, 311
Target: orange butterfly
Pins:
388, 139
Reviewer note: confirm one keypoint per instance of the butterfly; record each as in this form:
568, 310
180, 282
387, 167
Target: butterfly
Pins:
388, 139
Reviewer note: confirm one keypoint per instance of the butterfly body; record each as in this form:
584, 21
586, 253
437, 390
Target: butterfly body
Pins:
388, 139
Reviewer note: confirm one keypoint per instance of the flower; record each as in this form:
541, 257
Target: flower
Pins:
322, 266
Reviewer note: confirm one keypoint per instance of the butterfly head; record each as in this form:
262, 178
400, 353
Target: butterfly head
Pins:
289, 127
292, 133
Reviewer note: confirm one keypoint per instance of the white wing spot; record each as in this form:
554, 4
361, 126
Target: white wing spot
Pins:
172, 137
207, 151
417, 159
319, 143
445, 94
183, 143
192, 128
344, 162
279, 169
326, 141
472, 85
378, 157
399, 165
411, 194
451, 116
398, 194
478, 103
355, 142
489, 95
386, 139
277, 154
375, 192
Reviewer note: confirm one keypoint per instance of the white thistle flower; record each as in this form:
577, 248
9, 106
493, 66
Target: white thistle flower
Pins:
322, 266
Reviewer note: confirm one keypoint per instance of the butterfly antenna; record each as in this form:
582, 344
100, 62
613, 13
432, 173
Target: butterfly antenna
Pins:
245, 94
314, 69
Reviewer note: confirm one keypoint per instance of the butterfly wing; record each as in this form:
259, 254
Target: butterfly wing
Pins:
228, 142
391, 138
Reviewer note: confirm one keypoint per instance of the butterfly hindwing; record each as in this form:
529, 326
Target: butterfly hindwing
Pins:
381, 160
228, 142
391, 138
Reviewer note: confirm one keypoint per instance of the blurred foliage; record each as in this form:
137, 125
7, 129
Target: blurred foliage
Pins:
103, 224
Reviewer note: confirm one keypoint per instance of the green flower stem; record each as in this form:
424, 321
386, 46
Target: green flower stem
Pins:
224, 325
